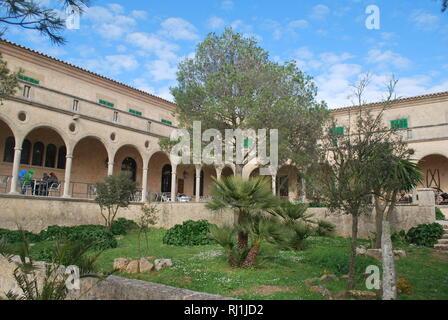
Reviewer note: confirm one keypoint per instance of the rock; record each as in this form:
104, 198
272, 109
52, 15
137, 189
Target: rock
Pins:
361, 295
150, 259
374, 253
132, 267
120, 264
400, 254
145, 265
360, 251
159, 264
322, 291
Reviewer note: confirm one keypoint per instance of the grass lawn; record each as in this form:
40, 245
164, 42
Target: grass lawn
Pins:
278, 274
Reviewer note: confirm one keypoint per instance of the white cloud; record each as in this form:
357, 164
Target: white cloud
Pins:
227, 5
179, 29
386, 59
319, 12
215, 23
109, 23
153, 44
110, 65
298, 24
425, 21
139, 14
162, 70
162, 92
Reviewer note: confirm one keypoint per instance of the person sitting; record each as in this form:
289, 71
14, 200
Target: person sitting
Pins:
43, 187
28, 180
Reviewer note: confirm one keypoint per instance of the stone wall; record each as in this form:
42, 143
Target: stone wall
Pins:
112, 288
404, 218
36, 214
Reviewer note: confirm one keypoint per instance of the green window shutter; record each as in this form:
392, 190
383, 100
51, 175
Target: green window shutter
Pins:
399, 124
29, 79
167, 122
337, 131
137, 113
106, 103
246, 143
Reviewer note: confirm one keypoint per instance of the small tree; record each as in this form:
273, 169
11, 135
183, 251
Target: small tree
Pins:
244, 197
9, 82
147, 219
115, 193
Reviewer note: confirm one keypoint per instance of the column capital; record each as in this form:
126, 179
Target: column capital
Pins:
17, 149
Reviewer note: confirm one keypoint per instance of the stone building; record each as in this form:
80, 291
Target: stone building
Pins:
82, 126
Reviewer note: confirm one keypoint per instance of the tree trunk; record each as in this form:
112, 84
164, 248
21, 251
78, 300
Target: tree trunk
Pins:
379, 211
243, 237
352, 270
233, 262
389, 275
251, 256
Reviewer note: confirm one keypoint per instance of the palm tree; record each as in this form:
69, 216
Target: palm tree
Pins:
244, 197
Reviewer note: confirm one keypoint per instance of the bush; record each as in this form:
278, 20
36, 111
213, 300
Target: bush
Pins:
425, 234
439, 214
13, 236
325, 228
190, 233
122, 226
99, 235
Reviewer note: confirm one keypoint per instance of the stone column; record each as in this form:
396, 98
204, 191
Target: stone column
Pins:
173, 183
110, 168
15, 170
145, 184
274, 184
218, 173
198, 183
426, 197
304, 199
68, 174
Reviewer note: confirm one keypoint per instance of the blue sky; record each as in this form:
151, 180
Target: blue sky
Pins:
141, 42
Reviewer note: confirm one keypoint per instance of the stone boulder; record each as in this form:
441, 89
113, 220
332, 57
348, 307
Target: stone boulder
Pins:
133, 267
159, 264
145, 265
120, 264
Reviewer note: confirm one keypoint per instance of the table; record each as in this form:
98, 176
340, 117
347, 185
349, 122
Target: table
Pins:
39, 183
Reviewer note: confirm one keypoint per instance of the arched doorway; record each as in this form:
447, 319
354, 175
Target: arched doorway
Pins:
435, 171
129, 165
7, 144
166, 178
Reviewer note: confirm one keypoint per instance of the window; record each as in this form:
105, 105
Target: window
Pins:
8, 155
149, 126
167, 122
26, 91
62, 157
337, 131
50, 156
115, 117
136, 112
106, 103
282, 185
399, 124
28, 79
129, 165
75, 105
38, 154
26, 152
246, 143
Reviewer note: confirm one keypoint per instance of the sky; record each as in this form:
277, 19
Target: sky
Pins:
140, 43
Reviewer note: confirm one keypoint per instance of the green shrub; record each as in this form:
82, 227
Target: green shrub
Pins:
122, 226
439, 214
425, 234
13, 236
325, 228
99, 235
399, 237
337, 261
190, 233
